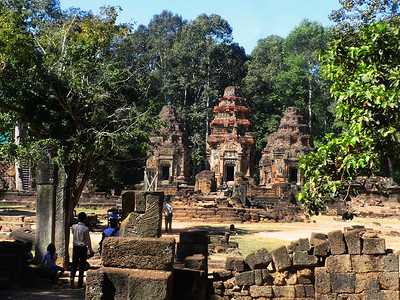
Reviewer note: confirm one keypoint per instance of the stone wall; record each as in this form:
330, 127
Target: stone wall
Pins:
326, 267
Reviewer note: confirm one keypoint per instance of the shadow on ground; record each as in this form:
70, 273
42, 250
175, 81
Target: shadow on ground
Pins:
31, 293
16, 212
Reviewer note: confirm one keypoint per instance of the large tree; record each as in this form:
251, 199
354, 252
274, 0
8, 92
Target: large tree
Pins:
188, 65
61, 80
300, 81
364, 69
264, 65
354, 14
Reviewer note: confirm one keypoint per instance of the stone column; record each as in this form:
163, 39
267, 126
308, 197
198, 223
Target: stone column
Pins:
50, 209
144, 214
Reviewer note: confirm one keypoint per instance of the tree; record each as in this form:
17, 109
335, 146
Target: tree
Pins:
206, 59
354, 14
363, 68
264, 65
187, 64
60, 77
300, 80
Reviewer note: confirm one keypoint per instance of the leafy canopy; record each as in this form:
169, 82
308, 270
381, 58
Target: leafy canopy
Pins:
60, 78
364, 70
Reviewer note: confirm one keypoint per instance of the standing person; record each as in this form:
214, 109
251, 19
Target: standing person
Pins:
81, 243
50, 260
168, 209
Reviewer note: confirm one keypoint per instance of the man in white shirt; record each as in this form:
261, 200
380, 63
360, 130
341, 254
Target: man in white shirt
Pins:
168, 210
81, 243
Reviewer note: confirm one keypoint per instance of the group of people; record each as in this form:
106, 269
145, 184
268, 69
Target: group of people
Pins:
82, 245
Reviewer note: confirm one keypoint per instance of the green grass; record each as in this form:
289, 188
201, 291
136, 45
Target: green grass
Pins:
250, 243
100, 211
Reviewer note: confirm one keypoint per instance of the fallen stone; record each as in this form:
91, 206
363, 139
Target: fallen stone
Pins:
196, 262
281, 258
336, 241
321, 248
235, 264
317, 236
353, 241
259, 259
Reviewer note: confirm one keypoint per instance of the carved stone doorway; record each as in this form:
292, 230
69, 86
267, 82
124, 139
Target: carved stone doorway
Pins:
230, 173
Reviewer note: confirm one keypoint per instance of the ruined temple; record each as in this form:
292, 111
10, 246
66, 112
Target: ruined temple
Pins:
170, 160
230, 146
280, 157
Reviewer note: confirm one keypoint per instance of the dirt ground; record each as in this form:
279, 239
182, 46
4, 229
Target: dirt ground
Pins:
280, 233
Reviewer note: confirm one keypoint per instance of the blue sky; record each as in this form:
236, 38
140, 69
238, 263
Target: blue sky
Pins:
251, 20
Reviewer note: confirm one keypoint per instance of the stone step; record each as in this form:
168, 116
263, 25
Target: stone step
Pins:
205, 198
12, 218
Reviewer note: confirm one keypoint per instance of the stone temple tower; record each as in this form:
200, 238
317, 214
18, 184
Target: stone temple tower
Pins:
230, 146
171, 157
280, 157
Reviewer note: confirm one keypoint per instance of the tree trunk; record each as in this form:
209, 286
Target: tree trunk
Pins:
309, 102
72, 198
390, 166
19, 185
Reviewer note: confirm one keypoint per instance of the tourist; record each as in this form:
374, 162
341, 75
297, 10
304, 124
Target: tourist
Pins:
30, 260
168, 209
113, 230
81, 244
49, 259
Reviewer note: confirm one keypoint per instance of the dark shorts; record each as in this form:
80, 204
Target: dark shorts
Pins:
57, 268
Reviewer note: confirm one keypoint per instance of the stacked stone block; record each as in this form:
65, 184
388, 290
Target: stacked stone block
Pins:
267, 275
137, 265
190, 275
329, 266
192, 242
358, 268
133, 268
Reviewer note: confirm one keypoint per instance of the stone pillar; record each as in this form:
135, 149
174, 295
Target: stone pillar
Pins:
144, 219
50, 209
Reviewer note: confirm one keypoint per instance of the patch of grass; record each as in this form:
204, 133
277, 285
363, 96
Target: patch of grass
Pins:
13, 207
101, 211
251, 243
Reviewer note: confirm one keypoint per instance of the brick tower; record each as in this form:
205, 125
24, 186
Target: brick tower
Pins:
230, 146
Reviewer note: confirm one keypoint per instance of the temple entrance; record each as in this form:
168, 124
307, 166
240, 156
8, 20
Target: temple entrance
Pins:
230, 173
165, 173
293, 175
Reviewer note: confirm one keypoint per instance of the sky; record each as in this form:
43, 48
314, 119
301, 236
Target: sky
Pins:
251, 20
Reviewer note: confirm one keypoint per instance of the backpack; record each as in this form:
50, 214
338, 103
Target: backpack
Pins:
103, 236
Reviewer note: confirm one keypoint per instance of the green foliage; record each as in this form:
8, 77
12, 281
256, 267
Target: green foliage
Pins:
328, 169
285, 72
188, 65
300, 81
364, 72
61, 79
354, 14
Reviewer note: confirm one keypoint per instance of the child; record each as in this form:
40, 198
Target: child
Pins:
30, 260
50, 259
